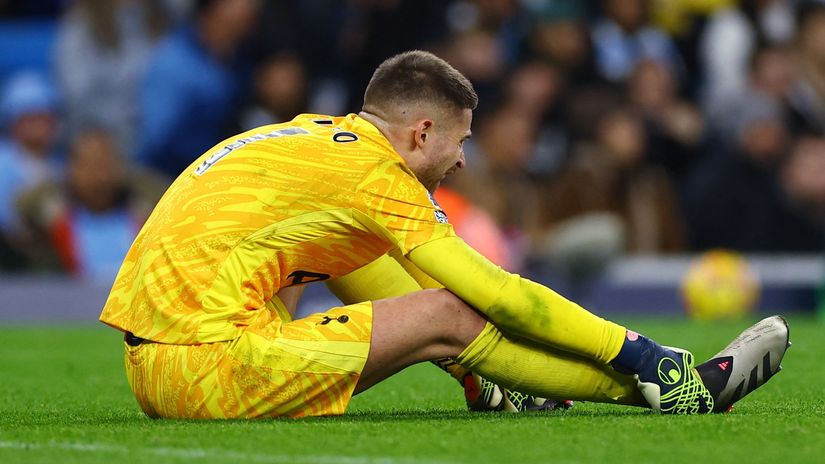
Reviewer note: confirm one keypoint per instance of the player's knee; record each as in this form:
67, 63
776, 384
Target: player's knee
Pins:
460, 322
444, 303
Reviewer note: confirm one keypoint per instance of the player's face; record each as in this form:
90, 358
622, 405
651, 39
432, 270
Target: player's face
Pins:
444, 153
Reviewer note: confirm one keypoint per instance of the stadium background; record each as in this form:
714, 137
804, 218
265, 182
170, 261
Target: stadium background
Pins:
592, 169
615, 139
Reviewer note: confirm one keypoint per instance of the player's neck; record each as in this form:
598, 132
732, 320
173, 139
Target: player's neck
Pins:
389, 132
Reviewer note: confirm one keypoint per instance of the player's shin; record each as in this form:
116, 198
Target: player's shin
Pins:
516, 305
534, 369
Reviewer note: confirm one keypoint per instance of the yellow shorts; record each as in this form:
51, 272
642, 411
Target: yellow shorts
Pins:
307, 367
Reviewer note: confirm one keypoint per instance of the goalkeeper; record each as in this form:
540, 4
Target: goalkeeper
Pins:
207, 293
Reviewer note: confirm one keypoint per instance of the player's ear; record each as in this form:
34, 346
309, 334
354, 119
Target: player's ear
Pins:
422, 131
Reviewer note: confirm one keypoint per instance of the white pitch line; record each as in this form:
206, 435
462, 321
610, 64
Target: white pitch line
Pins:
215, 453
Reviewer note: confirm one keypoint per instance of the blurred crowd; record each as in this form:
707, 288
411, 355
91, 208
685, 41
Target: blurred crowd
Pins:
605, 127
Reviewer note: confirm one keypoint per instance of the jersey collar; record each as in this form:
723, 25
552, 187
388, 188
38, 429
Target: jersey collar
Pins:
365, 128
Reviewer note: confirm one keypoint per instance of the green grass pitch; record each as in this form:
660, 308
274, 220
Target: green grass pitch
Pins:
64, 398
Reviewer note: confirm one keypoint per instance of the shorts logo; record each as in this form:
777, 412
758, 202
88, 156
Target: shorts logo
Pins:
305, 277
343, 319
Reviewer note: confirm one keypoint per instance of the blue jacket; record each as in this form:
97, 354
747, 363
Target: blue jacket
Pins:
186, 100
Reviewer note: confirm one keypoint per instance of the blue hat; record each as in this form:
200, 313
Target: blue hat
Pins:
24, 93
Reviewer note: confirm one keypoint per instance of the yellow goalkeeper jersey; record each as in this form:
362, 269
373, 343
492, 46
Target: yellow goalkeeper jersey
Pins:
286, 204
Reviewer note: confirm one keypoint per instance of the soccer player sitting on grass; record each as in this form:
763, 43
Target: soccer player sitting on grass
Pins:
207, 293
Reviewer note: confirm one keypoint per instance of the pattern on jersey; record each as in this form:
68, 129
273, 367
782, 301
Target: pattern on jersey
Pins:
224, 238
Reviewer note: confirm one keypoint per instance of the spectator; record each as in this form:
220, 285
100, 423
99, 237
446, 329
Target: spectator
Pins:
374, 30
537, 89
505, 20
624, 37
733, 35
808, 92
280, 92
772, 72
561, 39
737, 200
674, 126
192, 85
101, 53
496, 178
772, 79
587, 104
548, 69
480, 57
609, 199
803, 177
90, 219
283, 27
560, 36
29, 121
684, 21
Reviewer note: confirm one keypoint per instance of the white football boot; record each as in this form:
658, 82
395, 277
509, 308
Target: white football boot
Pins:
746, 363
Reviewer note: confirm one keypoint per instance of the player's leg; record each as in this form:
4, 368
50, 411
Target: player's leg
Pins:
531, 368
313, 365
386, 278
420, 326
521, 308
391, 276
434, 323
744, 365
382, 279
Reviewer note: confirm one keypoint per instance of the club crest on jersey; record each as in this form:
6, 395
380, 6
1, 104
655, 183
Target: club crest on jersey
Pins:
439, 213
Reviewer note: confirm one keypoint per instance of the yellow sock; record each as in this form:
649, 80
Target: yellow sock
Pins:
517, 306
556, 322
532, 368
